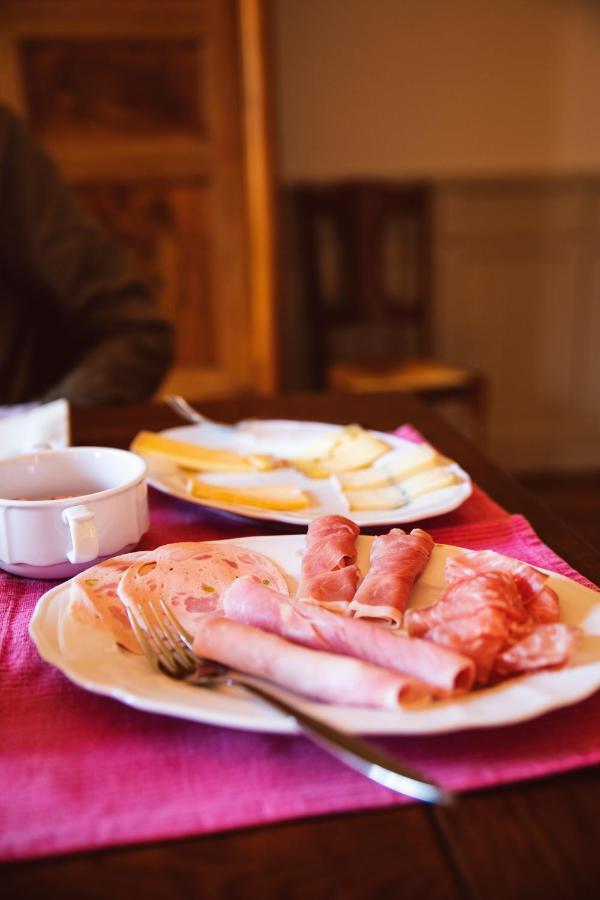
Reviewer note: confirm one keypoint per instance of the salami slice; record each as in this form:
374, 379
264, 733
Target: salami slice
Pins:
540, 600
329, 574
548, 646
251, 603
324, 676
396, 561
495, 590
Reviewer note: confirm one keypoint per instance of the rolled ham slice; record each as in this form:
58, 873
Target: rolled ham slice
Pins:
323, 676
396, 561
447, 673
540, 600
329, 574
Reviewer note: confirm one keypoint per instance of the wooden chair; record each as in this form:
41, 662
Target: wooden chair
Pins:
366, 257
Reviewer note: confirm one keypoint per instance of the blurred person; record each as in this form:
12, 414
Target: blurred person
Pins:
77, 320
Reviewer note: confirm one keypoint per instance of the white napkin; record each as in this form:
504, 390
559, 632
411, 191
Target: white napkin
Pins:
23, 429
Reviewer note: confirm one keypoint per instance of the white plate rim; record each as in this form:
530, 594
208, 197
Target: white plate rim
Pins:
536, 693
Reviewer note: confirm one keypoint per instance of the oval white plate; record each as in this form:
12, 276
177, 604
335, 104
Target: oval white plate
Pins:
286, 439
92, 660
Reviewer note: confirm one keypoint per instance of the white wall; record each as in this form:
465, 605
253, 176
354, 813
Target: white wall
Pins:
436, 88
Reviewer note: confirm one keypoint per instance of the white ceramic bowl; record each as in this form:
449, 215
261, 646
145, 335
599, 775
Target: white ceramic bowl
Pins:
63, 510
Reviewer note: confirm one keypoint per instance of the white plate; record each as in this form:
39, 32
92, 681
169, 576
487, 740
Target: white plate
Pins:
285, 439
92, 660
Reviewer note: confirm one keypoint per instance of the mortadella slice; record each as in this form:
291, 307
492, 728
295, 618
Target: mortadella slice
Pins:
540, 600
397, 559
94, 599
323, 676
329, 574
192, 577
251, 603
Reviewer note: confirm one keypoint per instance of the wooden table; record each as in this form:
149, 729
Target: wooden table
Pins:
536, 839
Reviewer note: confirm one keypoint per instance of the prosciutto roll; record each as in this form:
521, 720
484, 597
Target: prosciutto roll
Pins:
329, 574
540, 600
397, 559
323, 676
446, 673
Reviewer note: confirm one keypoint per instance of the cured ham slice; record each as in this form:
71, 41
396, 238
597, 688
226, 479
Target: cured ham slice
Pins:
548, 646
251, 603
323, 676
329, 574
540, 600
397, 559
190, 576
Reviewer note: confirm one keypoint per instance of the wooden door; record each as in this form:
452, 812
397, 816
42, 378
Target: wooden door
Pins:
156, 113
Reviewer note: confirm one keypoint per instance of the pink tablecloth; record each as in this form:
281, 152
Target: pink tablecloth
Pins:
78, 771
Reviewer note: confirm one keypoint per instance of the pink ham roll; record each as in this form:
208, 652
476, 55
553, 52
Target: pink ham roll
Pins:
446, 673
397, 559
540, 600
323, 676
329, 573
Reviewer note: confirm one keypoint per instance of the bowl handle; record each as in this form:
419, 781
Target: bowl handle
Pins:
84, 536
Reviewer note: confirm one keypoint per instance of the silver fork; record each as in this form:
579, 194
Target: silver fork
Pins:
169, 648
180, 406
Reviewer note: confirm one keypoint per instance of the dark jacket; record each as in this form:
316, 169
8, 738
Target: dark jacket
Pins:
76, 318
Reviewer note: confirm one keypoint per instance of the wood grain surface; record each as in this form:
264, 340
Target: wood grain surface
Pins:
530, 840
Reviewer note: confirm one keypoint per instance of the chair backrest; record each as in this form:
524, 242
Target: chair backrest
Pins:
365, 256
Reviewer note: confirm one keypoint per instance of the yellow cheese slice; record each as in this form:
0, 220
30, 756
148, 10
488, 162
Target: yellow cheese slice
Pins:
402, 492
401, 464
192, 456
277, 496
353, 448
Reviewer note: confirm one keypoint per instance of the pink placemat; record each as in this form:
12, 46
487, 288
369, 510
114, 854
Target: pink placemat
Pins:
80, 772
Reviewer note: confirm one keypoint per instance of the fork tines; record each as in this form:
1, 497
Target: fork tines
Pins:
164, 641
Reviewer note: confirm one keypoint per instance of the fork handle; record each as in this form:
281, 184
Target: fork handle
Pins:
356, 753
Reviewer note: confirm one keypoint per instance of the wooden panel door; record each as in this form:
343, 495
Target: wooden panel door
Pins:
156, 113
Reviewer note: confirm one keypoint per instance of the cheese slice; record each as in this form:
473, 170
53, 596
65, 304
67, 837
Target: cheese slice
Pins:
197, 458
352, 448
279, 496
400, 493
399, 465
